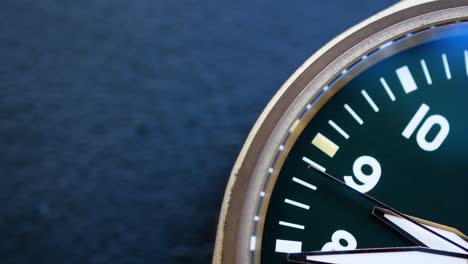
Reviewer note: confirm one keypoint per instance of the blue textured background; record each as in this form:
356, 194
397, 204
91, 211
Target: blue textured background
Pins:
120, 120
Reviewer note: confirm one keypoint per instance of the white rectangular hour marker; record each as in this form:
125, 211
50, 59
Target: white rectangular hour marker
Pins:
370, 101
305, 184
466, 61
446, 66
338, 129
253, 242
406, 79
325, 145
415, 121
313, 164
387, 89
426, 72
296, 226
353, 114
297, 204
288, 246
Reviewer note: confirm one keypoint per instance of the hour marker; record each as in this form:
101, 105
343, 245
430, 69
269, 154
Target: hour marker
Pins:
446, 66
325, 145
297, 204
296, 226
466, 61
426, 72
271, 170
353, 114
369, 100
253, 242
281, 148
256, 218
313, 164
338, 129
387, 89
294, 125
406, 79
262, 194
305, 184
288, 246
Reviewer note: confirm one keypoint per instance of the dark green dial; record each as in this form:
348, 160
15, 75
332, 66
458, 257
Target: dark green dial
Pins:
397, 129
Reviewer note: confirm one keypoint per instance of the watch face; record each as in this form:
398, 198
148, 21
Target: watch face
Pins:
396, 129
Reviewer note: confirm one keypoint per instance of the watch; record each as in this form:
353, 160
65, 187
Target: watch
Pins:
362, 154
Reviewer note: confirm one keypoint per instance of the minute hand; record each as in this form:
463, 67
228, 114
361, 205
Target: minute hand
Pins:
383, 205
406, 255
421, 236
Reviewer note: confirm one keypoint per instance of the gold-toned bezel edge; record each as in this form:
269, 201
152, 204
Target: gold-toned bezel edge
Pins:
234, 228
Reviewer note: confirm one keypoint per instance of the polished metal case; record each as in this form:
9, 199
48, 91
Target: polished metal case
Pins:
249, 174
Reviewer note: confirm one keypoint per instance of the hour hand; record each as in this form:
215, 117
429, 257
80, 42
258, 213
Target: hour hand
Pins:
423, 237
405, 255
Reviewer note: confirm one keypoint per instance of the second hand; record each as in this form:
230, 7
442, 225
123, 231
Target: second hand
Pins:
368, 197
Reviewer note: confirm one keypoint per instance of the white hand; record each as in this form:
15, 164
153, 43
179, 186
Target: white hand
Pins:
423, 237
409, 255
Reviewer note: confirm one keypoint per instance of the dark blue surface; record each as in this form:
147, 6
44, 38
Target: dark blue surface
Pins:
120, 120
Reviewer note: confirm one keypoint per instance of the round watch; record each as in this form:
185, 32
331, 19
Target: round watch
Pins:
362, 155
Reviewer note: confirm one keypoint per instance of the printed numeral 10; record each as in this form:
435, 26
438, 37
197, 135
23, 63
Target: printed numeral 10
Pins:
427, 125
